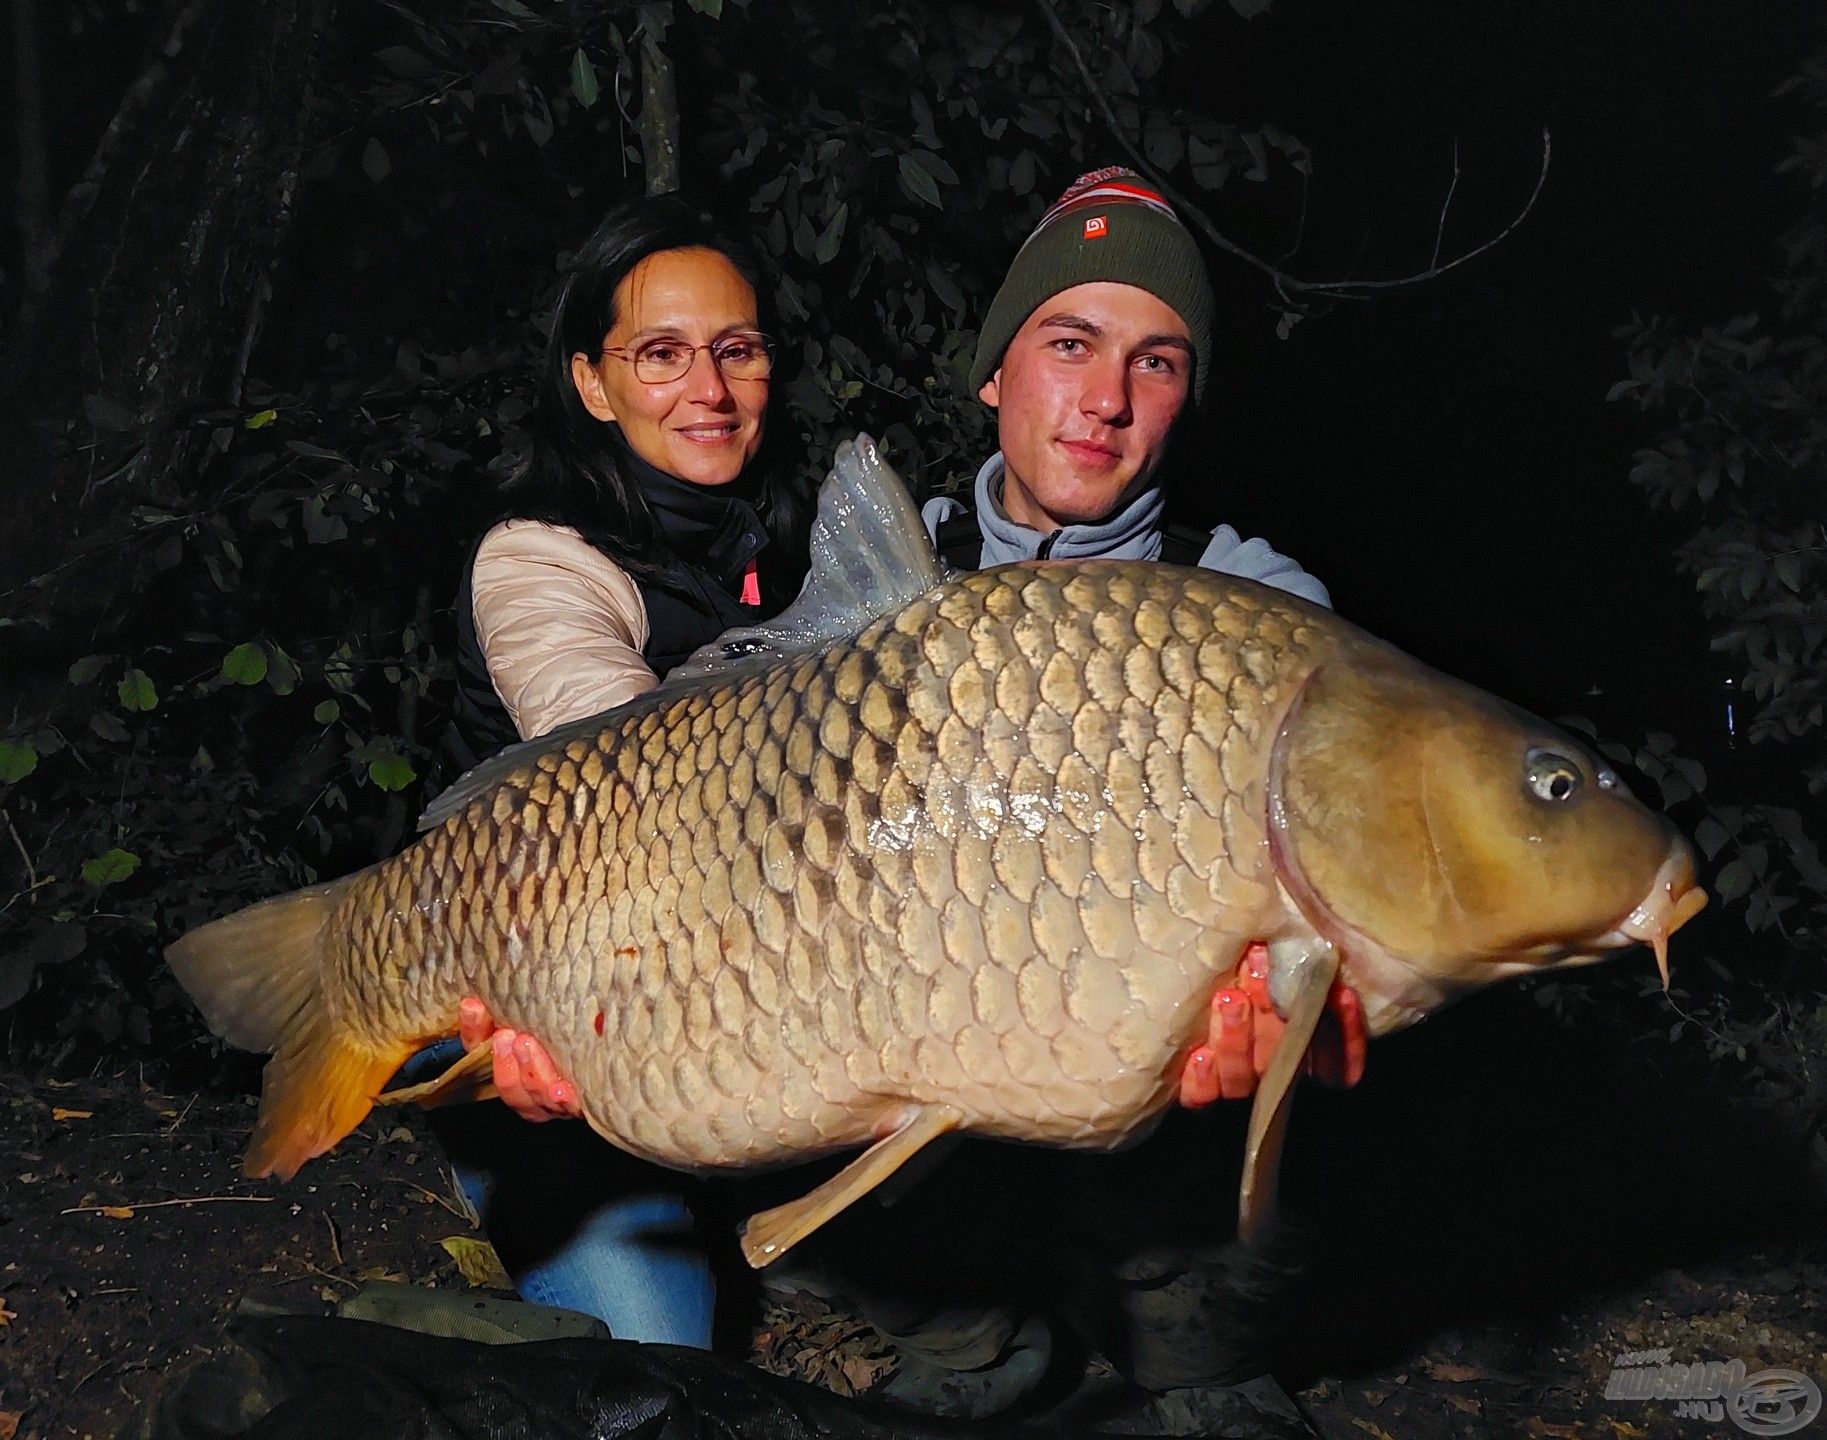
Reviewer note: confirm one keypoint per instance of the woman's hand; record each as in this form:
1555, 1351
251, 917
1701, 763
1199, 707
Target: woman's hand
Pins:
524, 1074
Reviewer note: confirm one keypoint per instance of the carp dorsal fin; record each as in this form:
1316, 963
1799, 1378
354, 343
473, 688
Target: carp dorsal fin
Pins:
870, 555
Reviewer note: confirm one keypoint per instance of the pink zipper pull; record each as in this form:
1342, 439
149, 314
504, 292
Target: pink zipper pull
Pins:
751, 586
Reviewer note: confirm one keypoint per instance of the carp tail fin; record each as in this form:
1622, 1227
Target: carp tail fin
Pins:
258, 978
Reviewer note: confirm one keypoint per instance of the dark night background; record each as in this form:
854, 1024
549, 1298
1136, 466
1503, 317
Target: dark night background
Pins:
1442, 454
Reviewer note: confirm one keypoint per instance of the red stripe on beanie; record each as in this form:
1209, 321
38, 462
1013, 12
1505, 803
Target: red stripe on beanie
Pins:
1115, 185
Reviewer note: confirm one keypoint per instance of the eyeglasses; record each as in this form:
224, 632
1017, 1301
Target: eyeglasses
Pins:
737, 357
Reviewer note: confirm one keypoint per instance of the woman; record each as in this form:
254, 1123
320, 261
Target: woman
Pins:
642, 526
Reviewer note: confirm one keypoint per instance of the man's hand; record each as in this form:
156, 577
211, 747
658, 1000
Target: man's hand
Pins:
1244, 1030
524, 1074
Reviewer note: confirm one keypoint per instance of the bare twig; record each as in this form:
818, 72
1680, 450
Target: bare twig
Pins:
34, 888
101, 1366
1340, 289
436, 1199
1446, 204
1300, 224
157, 1204
627, 120
31, 871
336, 1244
319, 1270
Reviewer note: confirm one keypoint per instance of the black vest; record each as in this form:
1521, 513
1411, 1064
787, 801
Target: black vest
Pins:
960, 543
713, 537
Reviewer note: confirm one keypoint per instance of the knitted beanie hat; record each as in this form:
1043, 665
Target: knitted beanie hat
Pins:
1109, 225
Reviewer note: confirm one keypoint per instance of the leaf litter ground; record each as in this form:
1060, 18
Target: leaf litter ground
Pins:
127, 1236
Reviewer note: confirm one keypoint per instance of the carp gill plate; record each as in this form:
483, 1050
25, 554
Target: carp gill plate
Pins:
928, 855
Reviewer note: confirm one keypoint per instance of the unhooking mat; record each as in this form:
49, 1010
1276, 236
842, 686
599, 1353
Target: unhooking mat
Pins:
309, 1377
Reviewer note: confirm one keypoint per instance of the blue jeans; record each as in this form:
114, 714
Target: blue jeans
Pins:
577, 1223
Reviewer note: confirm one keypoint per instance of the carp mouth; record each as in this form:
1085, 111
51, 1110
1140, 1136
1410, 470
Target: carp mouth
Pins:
1396, 993
1674, 898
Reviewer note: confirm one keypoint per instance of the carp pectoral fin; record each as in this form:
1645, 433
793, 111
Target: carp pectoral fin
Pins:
1275, 1095
771, 1233
471, 1078
892, 1190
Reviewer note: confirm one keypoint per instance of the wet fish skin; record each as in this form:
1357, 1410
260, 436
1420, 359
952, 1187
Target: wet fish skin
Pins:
997, 851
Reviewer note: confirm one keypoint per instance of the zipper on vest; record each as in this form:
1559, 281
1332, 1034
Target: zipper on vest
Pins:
1046, 546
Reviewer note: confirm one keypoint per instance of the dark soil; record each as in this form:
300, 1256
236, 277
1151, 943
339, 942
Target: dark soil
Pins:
105, 1283
1488, 1251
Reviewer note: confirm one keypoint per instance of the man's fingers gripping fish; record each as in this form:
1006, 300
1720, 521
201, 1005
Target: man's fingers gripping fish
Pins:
934, 854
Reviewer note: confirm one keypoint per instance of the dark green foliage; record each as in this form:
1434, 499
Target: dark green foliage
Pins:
257, 685
1742, 460
1740, 464
236, 684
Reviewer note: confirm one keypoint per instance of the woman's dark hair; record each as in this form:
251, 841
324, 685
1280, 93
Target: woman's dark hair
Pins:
571, 475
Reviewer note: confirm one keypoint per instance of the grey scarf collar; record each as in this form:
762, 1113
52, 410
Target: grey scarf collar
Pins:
1133, 533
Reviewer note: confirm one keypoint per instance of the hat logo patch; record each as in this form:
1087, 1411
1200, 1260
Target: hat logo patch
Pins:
1096, 227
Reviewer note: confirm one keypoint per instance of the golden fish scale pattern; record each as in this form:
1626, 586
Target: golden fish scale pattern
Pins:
994, 852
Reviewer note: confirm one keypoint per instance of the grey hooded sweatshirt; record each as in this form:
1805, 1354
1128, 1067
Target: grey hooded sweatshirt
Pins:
1132, 533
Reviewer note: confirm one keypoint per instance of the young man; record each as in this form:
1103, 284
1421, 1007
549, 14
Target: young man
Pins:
1098, 342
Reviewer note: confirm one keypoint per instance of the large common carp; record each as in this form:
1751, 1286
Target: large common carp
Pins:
932, 854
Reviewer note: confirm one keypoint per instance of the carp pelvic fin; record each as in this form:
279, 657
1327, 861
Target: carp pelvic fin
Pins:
768, 1235
471, 1078
257, 976
1307, 986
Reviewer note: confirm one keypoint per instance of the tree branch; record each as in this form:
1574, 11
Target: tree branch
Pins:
30, 186
141, 94
1446, 204
1338, 289
178, 222
659, 114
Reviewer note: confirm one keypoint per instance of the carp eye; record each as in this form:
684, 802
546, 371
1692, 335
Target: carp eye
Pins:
1552, 776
